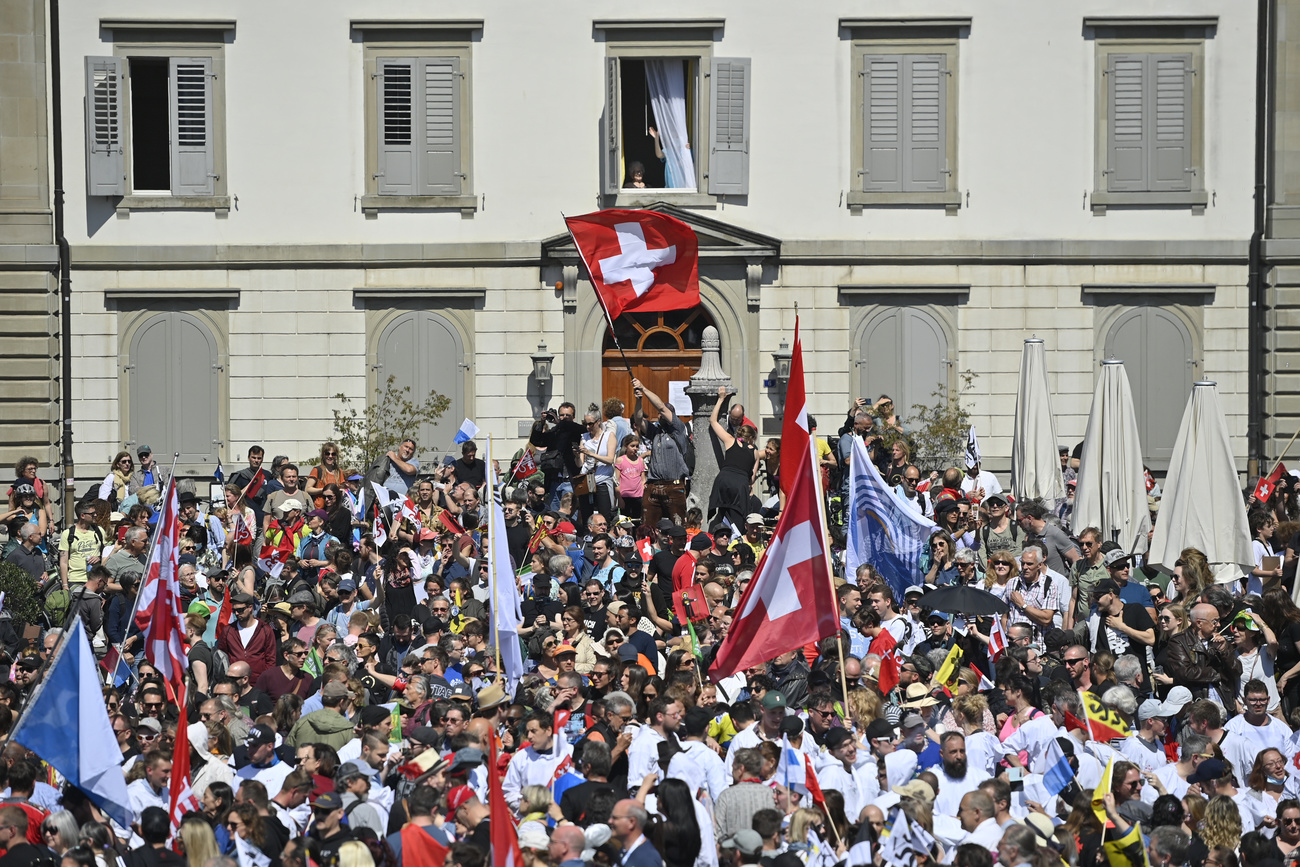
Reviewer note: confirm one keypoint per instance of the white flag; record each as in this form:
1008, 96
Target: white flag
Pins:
972, 449
505, 592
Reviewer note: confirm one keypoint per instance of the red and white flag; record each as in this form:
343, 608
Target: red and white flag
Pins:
226, 614
380, 535
504, 836
644, 550
183, 799
1266, 485
997, 640
638, 260
795, 432
525, 466
985, 683
158, 609
791, 600
243, 535
885, 646
409, 511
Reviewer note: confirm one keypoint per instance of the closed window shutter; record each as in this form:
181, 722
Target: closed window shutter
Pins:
1128, 123
439, 145
105, 158
193, 155
610, 167
925, 161
882, 113
729, 109
1169, 128
396, 169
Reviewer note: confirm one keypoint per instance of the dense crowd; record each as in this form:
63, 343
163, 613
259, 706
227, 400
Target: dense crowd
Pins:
358, 690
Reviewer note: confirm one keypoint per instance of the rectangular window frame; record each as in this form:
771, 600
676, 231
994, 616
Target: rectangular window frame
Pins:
1150, 37
904, 37
667, 40
419, 40
177, 40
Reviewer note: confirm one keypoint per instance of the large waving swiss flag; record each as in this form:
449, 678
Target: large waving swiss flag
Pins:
638, 260
791, 600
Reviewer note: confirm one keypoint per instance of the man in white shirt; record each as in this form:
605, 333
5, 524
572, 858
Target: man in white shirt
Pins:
643, 753
535, 764
978, 484
696, 765
856, 780
1173, 776
905, 632
1256, 728
151, 789
956, 778
263, 764
978, 819
1145, 747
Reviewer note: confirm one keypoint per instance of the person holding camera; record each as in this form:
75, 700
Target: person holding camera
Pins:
558, 433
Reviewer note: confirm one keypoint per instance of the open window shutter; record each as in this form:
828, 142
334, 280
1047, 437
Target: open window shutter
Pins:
1169, 126
1127, 136
611, 169
396, 170
729, 109
193, 166
882, 113
105, 160
925, 158
439, 145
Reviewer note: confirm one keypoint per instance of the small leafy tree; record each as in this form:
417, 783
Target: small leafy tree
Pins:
22, 598
938, 431
365, 435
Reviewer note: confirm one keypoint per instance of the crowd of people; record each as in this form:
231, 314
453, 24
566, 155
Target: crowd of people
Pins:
359, 690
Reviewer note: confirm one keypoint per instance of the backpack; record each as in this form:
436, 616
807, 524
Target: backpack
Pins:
220, 663
1015, 534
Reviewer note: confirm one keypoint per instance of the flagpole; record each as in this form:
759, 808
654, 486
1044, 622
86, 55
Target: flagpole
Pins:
1280, 455
599, 300
157, 531
492, 566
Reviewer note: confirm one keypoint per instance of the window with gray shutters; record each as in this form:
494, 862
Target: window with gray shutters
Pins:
419, 126
905, 120
105, 151
1149, 124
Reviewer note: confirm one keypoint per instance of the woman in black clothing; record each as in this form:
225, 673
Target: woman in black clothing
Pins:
729, 498
680, 843
339, 521
1283, 617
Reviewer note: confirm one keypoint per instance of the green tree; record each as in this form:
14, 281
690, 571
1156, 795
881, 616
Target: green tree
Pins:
365, 435
22, 598
938, 431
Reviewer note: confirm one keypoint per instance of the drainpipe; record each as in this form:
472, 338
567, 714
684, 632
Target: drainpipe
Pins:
65, 262
1255, 354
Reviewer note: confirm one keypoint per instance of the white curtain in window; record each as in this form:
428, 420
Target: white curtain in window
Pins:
667, 81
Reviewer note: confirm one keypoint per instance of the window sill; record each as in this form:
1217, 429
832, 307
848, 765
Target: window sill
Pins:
219, 205
372, 205
641, 199
1196, 200
950, 201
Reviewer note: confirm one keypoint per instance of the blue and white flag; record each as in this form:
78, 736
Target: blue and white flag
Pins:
882, 528
972, 449
218, 474
466, 432
904, 841
66, 724
1059, 774
790, 768
506, 604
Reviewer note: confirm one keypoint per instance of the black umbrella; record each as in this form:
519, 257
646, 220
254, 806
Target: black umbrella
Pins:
963, 599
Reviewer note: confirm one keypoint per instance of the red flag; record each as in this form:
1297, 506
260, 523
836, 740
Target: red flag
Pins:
226, 615
254, 485
638, 260
645, 550
421, 850
794, 422
885, 646
525, 467
1149, 479
1264, 489
451, 523
814, 787
504, 835
1072, 722
690, 604
791, 599
158, 609
182, 795
562, 715
243, 535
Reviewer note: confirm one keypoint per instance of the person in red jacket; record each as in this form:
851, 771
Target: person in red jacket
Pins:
248, 639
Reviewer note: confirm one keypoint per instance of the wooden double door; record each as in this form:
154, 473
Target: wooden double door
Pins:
661, 348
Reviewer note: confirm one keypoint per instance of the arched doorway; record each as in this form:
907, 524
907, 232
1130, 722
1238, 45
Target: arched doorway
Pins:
423, 351
1159, 355
662, 348
174, 388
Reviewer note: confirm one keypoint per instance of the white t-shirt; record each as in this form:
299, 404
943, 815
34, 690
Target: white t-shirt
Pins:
986, 480
1258, 665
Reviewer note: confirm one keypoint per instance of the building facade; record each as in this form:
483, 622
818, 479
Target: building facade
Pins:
273, 208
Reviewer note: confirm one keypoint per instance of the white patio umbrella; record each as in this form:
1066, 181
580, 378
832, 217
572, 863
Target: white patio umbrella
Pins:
1112, 494
1202, 506
1035, 460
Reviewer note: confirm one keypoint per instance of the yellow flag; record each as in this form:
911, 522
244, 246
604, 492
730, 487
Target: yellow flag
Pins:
948, 673
1115, 848
1106, 724
1099, 796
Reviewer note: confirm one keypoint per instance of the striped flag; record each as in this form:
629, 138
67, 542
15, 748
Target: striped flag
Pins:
997, 640
158, 609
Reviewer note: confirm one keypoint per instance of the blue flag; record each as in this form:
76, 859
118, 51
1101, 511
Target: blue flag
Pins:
467, 431
218, 474
67, 725
882, 528
1058, 773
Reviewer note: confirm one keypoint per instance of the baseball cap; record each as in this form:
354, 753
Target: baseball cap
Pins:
624, 542
243, 599
149, 723
327, 801
996, 498
291, 504
142, 450
462, 692
879, 728
427, 735
356, 477
1177, 698
319, 513
701, 542
836, 736
566, 528
29, 663
676, 531
259, 735
1210, 769
457, 797
1106, 585
746, 840
347, 585
665, 524
565, 648
914, 590
627, 652
351, 769
939, 615
753, 518
615, 607
466, 758
334, 689
1114, 558
774, 699
912, 720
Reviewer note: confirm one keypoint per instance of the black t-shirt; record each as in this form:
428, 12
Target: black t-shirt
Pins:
473, 471
329, 846
1135, 616
256, 702
548, 607
595, 622
517, 541
1287, 655
439, 688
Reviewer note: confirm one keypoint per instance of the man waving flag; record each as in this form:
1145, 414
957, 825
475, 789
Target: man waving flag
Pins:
791, 600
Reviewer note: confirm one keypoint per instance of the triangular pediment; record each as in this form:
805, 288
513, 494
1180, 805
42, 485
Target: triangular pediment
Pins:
718, 239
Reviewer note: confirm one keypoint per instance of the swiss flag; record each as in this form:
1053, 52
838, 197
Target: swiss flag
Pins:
795, 433
638, 260
1266, 485
885, 646
791, 600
